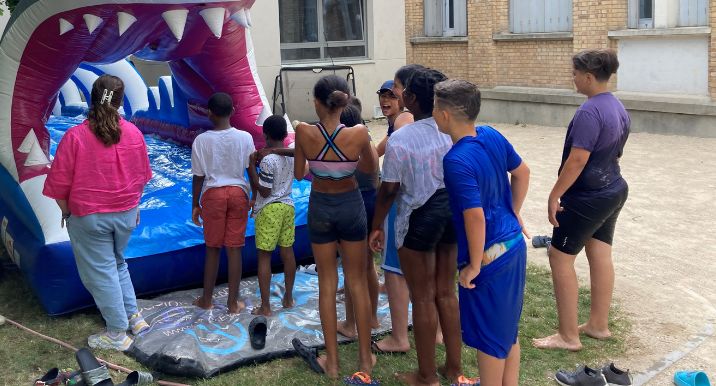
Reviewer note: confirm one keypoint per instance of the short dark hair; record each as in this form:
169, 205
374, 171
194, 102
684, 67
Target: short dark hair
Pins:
275, 128
460, 96
601, 63
422, 84
332, 91
221, 105
351, 116
404, 73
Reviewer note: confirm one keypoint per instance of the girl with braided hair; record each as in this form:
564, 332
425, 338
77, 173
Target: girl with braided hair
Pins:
97, 177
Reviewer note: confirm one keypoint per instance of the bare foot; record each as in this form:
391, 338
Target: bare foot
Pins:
261, 310
413, 379
556, 341
374, 323
349, 331
391, 345
288, 302
330, 372
451, 375
203, 303
236, 307
594, 334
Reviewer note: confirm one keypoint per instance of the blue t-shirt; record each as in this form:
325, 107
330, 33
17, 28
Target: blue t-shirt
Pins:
600, 126
476, 176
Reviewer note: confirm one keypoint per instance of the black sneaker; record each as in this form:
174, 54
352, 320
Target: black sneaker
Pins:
584, 376
615, 376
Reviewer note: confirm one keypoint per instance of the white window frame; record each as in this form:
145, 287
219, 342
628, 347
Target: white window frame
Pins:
437, 15
670, 14
637, 22
322, 44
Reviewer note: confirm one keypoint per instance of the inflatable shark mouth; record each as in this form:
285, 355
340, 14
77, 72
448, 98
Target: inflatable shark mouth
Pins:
206, 44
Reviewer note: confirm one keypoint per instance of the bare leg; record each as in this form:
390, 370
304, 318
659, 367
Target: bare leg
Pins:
354, 264
492, 369
325, 256
601, 272
264, 275
289, 274
511, 377
419, 269
564, 279
233, 302
398, 299
211, 270
347, 327
448, 310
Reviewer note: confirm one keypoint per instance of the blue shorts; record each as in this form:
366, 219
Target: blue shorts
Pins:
391, 263
369, 204
490, 313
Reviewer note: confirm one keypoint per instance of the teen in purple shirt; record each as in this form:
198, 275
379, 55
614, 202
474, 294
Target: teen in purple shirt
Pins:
586, 200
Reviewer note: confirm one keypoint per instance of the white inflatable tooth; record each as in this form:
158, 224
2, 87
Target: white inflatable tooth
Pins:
27, 143
92, 22
248, 18
240, 18
214, 19
36, 156
176, 20
65, 26
124, 21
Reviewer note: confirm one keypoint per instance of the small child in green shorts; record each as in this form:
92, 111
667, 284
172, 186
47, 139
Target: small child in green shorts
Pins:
273, 213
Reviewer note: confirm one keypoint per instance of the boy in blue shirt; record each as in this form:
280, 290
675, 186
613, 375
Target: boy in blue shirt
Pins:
492, 255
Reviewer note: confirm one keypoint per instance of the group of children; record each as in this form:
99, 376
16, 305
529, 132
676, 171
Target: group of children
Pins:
455, 208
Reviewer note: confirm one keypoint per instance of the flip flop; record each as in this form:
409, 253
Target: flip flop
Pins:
257, 332
93, 373
377, 350
691, 378
361, 378
308, 354
137, 378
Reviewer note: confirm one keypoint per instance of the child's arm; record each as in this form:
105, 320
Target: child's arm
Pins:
197, 182
475, 228
368, 162
571, 170
300, 167
519, 184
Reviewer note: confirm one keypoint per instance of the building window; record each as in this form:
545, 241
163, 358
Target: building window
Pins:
687, 13
445, 18
319, 30
536, 16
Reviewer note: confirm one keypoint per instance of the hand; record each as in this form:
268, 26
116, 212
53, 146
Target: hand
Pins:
252, 158
260, 154
63, 221
522, 226
467, 275
376, 241
553, 207
195, 215
252, 203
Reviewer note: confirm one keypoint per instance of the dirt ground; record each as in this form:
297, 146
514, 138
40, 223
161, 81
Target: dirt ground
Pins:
664, 245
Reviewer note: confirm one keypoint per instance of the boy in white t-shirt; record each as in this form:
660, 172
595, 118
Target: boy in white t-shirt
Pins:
219, 160
274, 213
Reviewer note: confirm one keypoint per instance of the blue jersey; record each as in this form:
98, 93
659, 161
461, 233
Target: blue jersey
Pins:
476, 176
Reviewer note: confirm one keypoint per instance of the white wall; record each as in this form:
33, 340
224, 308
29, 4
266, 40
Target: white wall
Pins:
386, 41
664, 65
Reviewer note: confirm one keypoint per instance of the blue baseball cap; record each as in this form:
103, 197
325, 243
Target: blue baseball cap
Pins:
386, 86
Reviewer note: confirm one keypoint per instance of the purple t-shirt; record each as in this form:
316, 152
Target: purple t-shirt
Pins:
601, 126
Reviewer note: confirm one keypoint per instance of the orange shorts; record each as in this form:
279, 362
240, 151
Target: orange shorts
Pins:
225, 211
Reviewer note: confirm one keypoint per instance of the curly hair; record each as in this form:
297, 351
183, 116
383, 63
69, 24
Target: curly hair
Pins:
421, 84
107, 95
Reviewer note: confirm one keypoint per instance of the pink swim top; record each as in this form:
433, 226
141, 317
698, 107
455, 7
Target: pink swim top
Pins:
327, 169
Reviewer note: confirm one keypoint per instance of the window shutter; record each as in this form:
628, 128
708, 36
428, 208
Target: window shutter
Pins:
433, 17
461, 17
633, 14
535, 16
693, 13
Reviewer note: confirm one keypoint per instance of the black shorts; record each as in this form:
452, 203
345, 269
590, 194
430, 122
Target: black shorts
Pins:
584, 219
431, 224
369, 197
334, 217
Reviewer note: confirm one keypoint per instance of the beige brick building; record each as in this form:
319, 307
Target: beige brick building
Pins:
519, 53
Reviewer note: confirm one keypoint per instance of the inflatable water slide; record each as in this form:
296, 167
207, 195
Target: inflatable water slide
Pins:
50, 53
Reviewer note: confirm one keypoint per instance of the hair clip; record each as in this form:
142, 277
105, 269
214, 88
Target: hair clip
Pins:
107, 97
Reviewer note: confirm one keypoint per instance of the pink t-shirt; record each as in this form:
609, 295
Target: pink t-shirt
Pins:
95, 178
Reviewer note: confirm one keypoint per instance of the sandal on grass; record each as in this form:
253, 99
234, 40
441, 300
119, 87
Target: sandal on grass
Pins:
308, 354
360, 378
377, 350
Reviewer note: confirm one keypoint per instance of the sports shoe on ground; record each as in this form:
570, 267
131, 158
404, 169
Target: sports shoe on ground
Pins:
137, 324
615, 376
110, 341
584, 376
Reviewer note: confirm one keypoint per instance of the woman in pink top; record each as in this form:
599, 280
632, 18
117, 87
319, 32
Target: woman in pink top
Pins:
97, 179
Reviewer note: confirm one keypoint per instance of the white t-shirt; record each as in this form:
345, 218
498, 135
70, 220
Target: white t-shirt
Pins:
276, 173
222, 157
414, 158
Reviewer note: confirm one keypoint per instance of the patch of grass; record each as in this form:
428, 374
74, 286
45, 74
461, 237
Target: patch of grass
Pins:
25, 357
